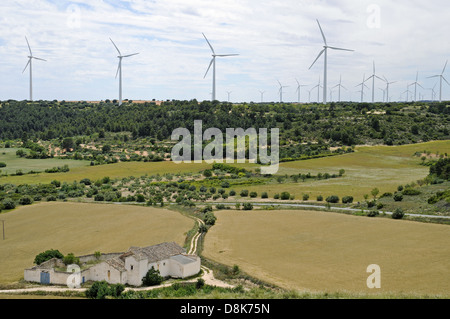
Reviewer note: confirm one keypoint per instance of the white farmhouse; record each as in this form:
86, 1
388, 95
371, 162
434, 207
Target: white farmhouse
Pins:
125, 268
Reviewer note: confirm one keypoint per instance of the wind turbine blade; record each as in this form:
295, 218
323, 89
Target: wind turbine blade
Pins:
224, 55
320, 54
321, 31
115, 46
209, 67
127, 56
26, 66
209, 44
445, 80
434, 76
341, 49
379, 77
29, 48
344, 87
39, 59
444, 67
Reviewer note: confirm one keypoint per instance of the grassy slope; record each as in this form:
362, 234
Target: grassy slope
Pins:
82, 229
321, 251
14, 163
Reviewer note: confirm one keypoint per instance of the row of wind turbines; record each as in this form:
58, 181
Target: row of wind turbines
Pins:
319, 86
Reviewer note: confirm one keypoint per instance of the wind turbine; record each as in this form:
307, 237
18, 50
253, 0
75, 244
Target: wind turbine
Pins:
388, 84
384, 93
340, 86
407, 92
281, 91
318, 86
229, 92
30, 63
119, 69
325, 51
363, 84
299, 89
213, 63
441, 76
415, 86
373, 76
262, 95
433, 92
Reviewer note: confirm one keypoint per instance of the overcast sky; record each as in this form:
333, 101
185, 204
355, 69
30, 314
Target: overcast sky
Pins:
275, 40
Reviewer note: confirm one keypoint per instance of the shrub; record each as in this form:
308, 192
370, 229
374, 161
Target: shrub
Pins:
220, 206
244, 193
285, 196
373, 213
398, 197
47, 255
140, 198
200, 283
101, 289
71, 259
51, 198
333, 199
398, 214
2, 164
380, 206
264, 195
152, 278
209, 219
411, 192
305, 197
8, 203
319, 198
253, 194
276, 196
25, 200
347, 199
86, 181
232, 193
248, 206
99, 198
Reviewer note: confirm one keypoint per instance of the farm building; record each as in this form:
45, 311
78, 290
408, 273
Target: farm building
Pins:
125, 268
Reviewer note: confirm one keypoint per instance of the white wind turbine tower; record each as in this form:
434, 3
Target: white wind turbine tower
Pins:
415, 86
407, 92
433, 92
213, 63
229, 92
30, 63
340, 86
119, 69
373, 76
441, 76
299, 87
281, 91
325, 51
363, 84
388, 84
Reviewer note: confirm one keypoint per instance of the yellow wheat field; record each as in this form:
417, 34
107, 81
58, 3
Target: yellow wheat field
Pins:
82, 229
330, 252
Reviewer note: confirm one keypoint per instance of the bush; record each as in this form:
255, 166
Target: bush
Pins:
285, 196
200, 283
51, 198
232, 193
71, 259
332, 199
101, 289
2, 164
25, 200
244, 193
373, 213
99, 198
319, 198
86, 181
347, 199
8, 203
209, 219
152, 278
264, 195
411, 192
398, 197
398, 214
305, 197
47, 255
253, 194
276, 196
248, 206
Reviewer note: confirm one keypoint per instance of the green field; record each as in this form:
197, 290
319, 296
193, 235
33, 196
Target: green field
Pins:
14, 163
384, 167
329, 252
82, 229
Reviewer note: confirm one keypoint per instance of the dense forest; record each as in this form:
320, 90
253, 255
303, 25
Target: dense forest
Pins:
335, 124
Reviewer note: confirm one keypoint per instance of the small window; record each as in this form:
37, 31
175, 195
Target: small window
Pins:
131, 267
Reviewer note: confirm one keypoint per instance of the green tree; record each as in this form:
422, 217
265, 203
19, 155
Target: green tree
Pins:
375, 193
152, 278
47, 255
